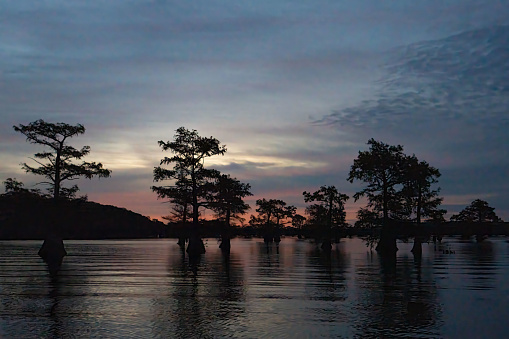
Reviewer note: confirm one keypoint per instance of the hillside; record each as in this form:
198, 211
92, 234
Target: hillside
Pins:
29, 216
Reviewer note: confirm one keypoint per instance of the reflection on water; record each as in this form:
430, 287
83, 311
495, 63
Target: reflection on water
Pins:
150, 289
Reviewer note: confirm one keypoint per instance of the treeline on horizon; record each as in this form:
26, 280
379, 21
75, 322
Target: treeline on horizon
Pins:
398, 187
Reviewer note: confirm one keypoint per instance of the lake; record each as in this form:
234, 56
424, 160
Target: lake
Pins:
146, 289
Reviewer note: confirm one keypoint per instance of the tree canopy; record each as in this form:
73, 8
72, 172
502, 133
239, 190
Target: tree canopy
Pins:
478, 211
329, 208
273, 212
382, 168
398, 186
58, 162
13, 186
227, 196
420, 200
192, 182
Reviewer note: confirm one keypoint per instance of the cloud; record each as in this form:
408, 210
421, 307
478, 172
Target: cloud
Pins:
446, 101
454, 90
251, 74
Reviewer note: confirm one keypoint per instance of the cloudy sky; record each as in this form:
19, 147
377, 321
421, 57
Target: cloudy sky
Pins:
293, 88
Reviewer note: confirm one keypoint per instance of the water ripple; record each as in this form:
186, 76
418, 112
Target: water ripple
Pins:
148, 289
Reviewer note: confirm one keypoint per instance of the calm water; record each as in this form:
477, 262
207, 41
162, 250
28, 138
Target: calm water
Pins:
145, 289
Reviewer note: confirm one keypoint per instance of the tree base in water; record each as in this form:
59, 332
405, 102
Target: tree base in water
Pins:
196, 246
225, 245
53, 252
387, 245
417, 248
52, 249
326, 246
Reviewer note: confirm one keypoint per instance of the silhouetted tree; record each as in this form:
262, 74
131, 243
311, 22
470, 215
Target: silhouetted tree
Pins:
437, 216
285, 215
329, 207
58, 163
275, 210
226, 200
13, 186
298, 222
477, 211
272, 213
181, 197
59, 157
382, 167
421, 201
367, 218
257, 221
266, 209
332, 203
189, 152
179, 213
317, 216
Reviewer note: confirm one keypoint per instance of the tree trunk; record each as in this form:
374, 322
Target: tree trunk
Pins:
385, 203
268, 235
53, 250
195, 199
182, 235
387, 242
226, 235
196, 246
329, 216
56, 190
419, 206
326, 245
417, 248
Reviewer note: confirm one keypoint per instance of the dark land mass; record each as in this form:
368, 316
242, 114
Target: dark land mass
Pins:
451, 228
26, 216
29, 216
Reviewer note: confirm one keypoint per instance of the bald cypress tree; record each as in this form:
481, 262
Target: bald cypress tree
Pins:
189, 174
382, 168
226, 199
59, 161
478, 211
329, 208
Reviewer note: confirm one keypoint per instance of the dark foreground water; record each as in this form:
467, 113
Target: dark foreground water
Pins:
145, 289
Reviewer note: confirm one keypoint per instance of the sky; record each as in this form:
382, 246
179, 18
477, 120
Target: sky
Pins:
294, 89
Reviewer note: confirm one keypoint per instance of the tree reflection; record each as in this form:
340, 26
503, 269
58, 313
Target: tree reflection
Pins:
203, 299
269, 259
397, 297
329, 279
326, 285
483, 267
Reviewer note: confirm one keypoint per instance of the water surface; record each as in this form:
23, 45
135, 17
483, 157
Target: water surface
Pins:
146, 289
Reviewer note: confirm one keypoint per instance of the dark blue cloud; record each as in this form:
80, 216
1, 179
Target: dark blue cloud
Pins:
463, 77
